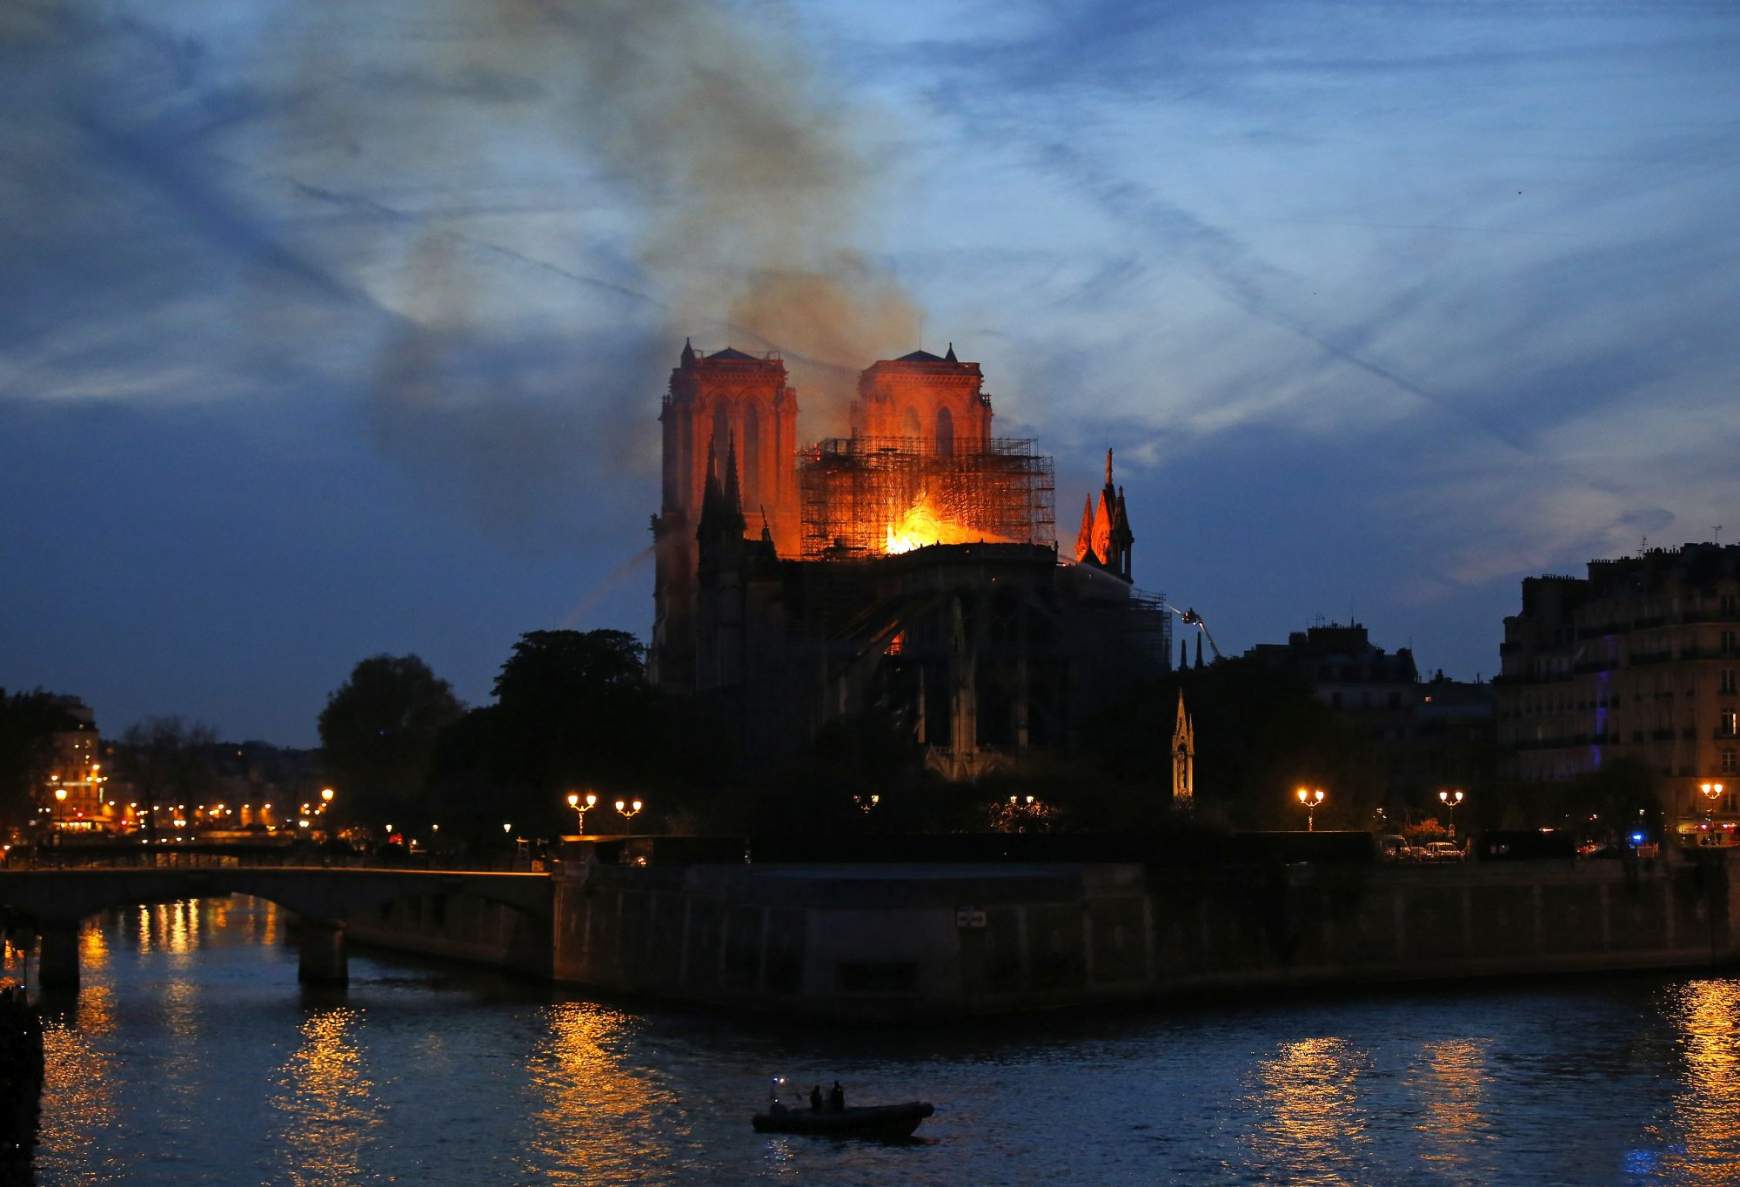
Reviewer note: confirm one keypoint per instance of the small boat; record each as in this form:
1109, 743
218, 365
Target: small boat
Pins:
861, 1121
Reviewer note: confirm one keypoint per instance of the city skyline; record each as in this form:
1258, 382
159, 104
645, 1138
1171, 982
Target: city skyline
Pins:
328, 341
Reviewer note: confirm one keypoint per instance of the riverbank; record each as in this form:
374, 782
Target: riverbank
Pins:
889, 942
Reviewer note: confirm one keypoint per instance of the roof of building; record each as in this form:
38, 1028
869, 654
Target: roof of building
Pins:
732, 353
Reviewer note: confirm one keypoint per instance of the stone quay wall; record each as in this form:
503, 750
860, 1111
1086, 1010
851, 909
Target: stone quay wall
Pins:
883, 942
909, 942
457, 926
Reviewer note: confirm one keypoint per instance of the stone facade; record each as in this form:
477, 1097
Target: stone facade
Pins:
1639, 660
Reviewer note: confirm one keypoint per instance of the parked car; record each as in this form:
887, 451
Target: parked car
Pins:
1443, 851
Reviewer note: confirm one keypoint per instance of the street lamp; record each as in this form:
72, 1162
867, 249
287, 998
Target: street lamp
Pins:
628, 808
1712, 792
1310, 797
866, 802
1450, 799
580, 807
506, 827
326, 793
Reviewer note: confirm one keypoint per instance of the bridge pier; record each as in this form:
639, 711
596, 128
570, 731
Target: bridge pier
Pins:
321, 958
57, 964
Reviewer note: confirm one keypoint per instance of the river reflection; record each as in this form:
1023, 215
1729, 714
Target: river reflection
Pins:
190, 1056
326, 1102
1448, 1079
1705, 1124
1314, 1121
605, 1114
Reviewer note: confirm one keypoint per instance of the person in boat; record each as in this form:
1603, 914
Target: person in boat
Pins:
816, 1099
837, 1098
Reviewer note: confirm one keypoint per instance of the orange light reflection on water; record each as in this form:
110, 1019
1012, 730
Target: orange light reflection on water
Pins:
327, 1101
1311, 1123
1706, 1117
1450, 1082
605, 1118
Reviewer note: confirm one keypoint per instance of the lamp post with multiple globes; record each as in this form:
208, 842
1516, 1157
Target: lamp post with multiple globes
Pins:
1310, 798
628, 809
1450, 799
1712, 792
581, 804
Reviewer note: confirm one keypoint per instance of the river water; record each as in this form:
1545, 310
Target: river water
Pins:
190, 1055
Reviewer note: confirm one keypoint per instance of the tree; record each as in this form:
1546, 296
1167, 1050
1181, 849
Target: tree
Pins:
168, 762
573, 710
379, 729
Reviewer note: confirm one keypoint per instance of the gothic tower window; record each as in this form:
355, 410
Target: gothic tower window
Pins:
945, 433
721, 433
749, 451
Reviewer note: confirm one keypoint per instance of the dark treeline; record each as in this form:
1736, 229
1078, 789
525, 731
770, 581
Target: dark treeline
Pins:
572, 711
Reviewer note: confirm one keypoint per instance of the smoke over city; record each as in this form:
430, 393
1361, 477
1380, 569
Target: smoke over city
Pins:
745, 190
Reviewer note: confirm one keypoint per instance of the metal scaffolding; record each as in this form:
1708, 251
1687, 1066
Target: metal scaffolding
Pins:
852, 488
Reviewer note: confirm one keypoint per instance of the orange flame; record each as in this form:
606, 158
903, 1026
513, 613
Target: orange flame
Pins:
922, 526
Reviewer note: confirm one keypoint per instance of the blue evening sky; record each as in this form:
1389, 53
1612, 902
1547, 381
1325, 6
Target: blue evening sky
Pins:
333, 329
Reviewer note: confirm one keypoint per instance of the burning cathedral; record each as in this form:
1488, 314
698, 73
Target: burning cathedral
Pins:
911, 568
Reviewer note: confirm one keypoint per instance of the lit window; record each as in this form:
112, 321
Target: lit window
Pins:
1728, 723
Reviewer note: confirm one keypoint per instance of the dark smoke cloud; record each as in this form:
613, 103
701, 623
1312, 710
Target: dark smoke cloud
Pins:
750, 181
423, 200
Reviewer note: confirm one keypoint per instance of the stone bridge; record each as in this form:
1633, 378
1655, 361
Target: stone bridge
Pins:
55, 901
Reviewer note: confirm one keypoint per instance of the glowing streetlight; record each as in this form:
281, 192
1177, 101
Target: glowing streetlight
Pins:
1310, 798
1450, 799
581, 806
326, 793
866, 802
506, 827
1712, 792
60, 794
628, 808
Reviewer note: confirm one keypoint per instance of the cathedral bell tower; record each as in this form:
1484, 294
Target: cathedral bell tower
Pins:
715, 399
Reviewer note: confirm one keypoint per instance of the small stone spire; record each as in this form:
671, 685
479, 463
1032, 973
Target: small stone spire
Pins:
950, 356
688, 353
1084, 541
733, 496
1199, 648
1122, 538
1108, 469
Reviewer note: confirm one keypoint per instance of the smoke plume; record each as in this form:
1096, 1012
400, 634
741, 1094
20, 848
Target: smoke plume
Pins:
750, 182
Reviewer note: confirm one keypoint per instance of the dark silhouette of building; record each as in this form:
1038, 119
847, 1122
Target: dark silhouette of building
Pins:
1344, 668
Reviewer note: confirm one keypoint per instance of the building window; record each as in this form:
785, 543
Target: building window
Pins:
1728, 767
1728, 723
1727, 642
1727, 680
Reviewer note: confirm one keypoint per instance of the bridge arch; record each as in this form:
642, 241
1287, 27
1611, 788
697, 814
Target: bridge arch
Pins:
325, 900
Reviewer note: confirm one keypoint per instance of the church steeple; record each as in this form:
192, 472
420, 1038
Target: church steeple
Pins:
1183, 758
